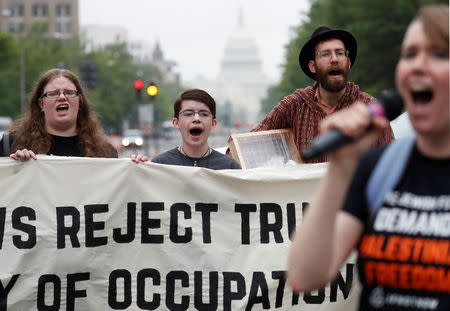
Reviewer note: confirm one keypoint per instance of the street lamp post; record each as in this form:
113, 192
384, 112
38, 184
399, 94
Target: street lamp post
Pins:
22, 80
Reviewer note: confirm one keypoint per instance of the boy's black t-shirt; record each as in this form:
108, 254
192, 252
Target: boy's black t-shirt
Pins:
404, 252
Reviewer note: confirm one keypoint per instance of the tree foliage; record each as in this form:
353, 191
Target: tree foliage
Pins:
378, 26
9, 75
113, 98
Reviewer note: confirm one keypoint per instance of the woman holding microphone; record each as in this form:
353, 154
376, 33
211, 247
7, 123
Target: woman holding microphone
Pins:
404, 245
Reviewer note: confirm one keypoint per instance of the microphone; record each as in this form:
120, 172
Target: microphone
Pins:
389, 104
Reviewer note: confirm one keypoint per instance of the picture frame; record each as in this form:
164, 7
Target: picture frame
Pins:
272, 148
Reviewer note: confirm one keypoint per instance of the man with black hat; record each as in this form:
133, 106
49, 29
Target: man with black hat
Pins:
327, 58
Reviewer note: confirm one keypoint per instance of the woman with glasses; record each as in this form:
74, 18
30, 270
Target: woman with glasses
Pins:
58, 121
195, 118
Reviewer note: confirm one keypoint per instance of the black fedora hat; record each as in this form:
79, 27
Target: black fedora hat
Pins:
321, 34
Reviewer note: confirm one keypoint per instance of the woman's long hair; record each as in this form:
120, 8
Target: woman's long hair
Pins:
30, 132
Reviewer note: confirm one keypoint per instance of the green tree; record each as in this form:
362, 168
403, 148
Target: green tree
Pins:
114, 93
378, 26
114, 96
27, 56
273, 96
9, 76
167, 94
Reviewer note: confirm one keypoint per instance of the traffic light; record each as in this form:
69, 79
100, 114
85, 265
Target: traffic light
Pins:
138, 84
152, 90
88, 73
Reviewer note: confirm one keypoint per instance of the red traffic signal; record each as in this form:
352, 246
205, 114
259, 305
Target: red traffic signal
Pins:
138, 84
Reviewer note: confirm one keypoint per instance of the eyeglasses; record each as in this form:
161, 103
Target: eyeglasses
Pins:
325, 55
188, 113
56, 94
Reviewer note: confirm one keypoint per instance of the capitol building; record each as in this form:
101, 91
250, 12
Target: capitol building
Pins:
241, 83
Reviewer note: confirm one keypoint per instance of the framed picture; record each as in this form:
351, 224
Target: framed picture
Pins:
272, 148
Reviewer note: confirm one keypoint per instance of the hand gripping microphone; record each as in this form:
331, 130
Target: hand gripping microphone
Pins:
389, 104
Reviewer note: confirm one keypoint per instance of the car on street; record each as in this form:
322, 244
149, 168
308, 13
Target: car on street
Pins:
5, 123
132, 138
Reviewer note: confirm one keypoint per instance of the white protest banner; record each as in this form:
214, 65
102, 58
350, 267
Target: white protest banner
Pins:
110, 234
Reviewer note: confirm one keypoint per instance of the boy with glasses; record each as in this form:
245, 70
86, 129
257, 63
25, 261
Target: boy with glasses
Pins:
195, 118
327, 58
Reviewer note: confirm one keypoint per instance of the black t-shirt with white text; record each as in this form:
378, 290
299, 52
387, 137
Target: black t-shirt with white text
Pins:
404, 252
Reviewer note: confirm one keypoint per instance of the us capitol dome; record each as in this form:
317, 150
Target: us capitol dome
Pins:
241, 82
240, 56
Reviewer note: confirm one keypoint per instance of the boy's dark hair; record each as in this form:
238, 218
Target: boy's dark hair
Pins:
197, 95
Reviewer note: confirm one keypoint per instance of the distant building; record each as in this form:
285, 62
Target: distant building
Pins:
241, 82
143, 52
97, 37
57, 18
164, 66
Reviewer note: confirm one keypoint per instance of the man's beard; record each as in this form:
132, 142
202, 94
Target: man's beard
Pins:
329, 84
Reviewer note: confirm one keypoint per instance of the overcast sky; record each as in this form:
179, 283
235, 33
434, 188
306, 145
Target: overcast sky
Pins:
193, 33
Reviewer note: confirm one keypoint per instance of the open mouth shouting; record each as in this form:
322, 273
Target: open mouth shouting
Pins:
62, 107
335, 73
196, 132
421, 94
420, 97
